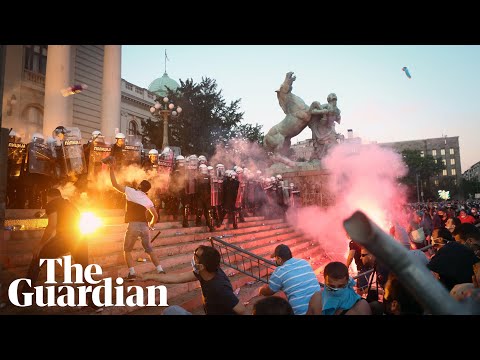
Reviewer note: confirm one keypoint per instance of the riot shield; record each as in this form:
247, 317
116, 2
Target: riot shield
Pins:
286, 192
40, 159
16, 153
70, 158
165, 168
241, 191
99, 150
191, 174
214, 191
133, 150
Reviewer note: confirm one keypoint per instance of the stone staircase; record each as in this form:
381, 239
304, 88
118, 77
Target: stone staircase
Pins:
174, 247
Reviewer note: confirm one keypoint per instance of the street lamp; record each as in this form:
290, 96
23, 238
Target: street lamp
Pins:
163, 111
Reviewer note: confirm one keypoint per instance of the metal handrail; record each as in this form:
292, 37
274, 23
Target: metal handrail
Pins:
251, 258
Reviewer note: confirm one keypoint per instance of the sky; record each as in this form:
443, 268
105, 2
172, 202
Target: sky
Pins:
375, 97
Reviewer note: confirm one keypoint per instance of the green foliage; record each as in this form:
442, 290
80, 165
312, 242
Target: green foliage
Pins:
427, 170
206, 119
425, 166
470, 187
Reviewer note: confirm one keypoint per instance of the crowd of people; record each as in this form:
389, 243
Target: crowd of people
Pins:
443, 237
446, 246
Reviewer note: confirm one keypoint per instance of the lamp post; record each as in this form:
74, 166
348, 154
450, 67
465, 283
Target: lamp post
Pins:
163, 111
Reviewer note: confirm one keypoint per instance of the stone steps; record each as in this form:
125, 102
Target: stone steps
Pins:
174, 247
20, 241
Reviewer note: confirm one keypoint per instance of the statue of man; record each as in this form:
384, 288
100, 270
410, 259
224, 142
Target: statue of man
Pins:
322, 124
297, 117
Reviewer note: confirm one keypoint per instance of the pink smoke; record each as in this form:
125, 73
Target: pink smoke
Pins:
362, 178
242, 153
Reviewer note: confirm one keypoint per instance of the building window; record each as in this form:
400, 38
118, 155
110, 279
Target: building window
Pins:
434, 152
454, 172
435, 160
33, 118
129, 86
442, 152
452, 151
132, 128
422, 153
35, 58
454, 181
436, 182
139, 90
452, 161
444, 162
444, 172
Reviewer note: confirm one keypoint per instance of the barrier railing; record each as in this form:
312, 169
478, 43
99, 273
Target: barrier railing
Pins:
243, 261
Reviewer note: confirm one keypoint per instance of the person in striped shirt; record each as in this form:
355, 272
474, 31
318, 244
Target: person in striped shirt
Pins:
295, 277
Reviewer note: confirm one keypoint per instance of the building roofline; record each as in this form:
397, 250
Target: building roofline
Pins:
405, 141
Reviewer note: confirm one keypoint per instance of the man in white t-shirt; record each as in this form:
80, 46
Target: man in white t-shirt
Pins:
138, 204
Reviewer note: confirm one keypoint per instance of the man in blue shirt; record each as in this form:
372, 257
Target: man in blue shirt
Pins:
295, 277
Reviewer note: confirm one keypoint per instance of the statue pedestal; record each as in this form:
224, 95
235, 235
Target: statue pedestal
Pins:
310, 179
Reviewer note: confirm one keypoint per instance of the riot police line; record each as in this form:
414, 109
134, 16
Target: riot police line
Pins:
39, 164
188, 186
200, 190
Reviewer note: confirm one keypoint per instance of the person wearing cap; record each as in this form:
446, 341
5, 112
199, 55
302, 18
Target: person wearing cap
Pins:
152, 162
416, 231
295, 277
117, 149
87, 147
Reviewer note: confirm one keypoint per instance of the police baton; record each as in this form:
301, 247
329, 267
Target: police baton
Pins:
151, 241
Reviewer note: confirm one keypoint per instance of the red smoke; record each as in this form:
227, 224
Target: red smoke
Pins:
362, 177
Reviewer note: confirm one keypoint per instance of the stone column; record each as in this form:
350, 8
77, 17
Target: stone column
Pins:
111, 89
57, 109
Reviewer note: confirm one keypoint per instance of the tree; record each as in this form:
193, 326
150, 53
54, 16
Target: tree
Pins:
425, 168
205, 120
470, 187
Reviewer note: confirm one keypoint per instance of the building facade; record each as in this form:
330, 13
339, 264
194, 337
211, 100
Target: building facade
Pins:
36, 74
473, 173
444, 149
303, 150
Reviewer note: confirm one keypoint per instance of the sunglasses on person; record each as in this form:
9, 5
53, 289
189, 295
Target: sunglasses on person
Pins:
363, 255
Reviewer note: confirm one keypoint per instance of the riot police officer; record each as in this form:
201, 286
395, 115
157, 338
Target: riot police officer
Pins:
15, 188
176, 189
203, 202
37, 171
230, 191
152, 162
190, 188
202, 160
87, 147
117, 149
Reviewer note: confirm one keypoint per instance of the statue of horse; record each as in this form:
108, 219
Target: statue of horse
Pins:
297, 117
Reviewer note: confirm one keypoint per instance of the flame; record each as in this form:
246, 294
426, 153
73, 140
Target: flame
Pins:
89, 223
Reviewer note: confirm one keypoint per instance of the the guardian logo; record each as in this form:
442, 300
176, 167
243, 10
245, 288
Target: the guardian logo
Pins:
84, 278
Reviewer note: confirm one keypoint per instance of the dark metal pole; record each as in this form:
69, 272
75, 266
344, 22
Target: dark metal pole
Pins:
417, 280
3, 164
3, 141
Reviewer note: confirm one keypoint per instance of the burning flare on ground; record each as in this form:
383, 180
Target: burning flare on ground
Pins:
89, 223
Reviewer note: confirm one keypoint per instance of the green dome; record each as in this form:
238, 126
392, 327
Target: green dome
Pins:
158, 85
